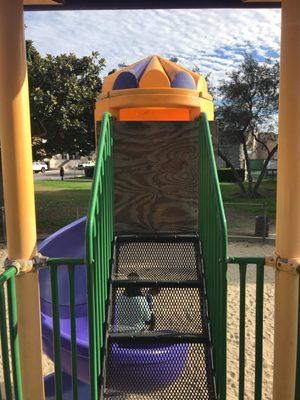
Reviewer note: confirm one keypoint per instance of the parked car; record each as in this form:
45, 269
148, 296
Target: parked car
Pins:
39, 166
86, 164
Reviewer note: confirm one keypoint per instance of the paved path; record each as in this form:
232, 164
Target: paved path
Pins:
54, 174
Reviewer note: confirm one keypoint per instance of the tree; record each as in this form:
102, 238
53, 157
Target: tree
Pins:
63, 90
248, 102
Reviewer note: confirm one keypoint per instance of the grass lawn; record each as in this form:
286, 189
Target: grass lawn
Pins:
241, 212
251, 206
60, 202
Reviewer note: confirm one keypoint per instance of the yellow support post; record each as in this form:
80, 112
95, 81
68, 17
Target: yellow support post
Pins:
288, 207
19, 189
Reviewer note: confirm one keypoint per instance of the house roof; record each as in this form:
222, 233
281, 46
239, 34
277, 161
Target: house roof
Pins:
143, 4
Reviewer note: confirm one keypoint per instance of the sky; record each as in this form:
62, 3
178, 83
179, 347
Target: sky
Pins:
213, 40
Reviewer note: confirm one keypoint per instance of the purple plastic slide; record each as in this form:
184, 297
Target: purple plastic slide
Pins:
143, 361
67, 242
83, 388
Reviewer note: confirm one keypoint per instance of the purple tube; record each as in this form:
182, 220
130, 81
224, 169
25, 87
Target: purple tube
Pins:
183, 80
68, 242
130, 79
144, 367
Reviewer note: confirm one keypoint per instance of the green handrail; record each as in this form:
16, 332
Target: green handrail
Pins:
10, 360
259, 264
213, 234
99, 247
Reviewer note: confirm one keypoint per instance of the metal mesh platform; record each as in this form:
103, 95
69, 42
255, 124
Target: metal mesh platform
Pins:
158, 344
181, 310
158, 257
180, 372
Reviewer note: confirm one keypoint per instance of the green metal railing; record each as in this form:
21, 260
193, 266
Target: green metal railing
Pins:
244, 264
9, 336
55, 264
99, 239
213, 234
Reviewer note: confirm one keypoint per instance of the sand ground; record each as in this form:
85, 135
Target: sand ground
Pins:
237, 249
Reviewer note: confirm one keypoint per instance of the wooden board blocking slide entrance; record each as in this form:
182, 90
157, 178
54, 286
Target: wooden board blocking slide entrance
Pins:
156, 176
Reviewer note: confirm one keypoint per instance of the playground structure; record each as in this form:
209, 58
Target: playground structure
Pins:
207, 279
148, 362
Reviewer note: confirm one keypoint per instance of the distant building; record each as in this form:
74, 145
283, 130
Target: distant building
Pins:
257, 150
233, 149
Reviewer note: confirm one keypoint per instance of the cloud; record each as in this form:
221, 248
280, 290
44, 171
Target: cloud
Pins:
213, 40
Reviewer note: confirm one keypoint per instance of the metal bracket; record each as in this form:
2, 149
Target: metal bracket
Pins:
291, 265
24, 266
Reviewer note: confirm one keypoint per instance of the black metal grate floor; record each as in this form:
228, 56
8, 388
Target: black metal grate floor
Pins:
157, 258
168, 356
181, 310
186, 376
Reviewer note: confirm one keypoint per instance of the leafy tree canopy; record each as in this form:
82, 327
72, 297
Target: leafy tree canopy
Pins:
247, 103
63, 90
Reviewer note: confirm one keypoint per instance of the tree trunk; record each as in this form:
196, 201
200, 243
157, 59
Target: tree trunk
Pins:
264, 169
236, 175
248, 168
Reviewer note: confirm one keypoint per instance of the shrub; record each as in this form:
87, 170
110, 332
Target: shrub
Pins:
227, 175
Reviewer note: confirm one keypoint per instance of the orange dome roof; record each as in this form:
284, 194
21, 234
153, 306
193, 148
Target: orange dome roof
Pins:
154, 88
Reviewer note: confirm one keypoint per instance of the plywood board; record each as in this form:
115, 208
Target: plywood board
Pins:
156, 176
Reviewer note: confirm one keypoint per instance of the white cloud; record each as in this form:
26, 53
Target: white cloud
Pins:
214, 40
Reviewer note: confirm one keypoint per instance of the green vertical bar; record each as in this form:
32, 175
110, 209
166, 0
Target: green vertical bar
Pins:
71, 273
103, 237
242, 268
104, 215
102, 249
97, 279
92, 345
4, 346
259, 329
106, 194
297, 395
14, 338
56, 333
103, 220
111, 182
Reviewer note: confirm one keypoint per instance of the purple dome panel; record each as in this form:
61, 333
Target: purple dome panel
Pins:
130, 79
126, 80
183, 80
